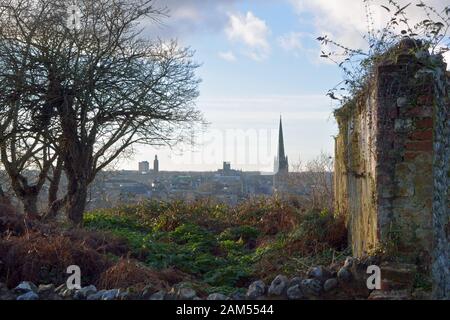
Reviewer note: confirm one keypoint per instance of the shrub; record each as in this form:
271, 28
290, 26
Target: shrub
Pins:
10, 221
318, 230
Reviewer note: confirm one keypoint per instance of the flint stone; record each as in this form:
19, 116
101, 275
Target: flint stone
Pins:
330, 284
158, 295
256, 290
311, 288
319, 273
294, 281
84, 292
295, 292
186, 294
217, 296
30, 295
26, 286
344, 275
278, 286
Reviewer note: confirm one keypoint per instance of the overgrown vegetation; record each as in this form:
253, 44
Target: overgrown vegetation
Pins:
212, 247
225, 247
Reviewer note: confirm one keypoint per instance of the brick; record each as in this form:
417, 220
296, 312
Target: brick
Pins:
393, 114
410, 156
420, 111
422, 135
425, 146
425, 123
425, 99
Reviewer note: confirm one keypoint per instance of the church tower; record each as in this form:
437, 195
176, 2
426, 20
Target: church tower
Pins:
156, 165
281, 165
281, 161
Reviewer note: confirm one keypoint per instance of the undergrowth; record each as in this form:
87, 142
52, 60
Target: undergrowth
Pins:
210, 247
225, 248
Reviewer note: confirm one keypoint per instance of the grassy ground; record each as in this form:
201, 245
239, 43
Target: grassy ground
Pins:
221, 248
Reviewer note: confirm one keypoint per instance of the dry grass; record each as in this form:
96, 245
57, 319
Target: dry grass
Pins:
269, 215
127, 273
318, 234
44, 258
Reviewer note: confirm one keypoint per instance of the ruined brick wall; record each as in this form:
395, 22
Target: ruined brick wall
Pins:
391, 152
355, 168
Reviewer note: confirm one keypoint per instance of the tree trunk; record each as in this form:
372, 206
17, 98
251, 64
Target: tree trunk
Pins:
30, 207
54, 208
76, 201
54, 183
54, 204
77, 159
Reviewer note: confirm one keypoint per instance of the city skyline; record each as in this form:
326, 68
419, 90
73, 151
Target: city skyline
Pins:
280, 163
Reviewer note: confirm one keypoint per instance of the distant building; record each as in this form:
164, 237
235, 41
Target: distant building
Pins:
156, 164
226, 168
281, 164
227, 171
144, 166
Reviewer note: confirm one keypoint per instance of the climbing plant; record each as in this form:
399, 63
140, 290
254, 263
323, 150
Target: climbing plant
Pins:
430, 32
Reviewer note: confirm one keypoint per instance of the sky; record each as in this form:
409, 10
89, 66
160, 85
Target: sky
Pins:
259, 61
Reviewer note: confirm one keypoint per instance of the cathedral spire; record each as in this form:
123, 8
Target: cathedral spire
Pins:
282, 165
280, 141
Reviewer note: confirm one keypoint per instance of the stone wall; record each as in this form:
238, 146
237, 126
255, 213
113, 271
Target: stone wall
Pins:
392, 158
355, 189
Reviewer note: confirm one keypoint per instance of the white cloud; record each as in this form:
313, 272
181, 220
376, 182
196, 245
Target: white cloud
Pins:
190, 16
292, 42
252, 32
447, 59
345, 20
227, 56
342, 20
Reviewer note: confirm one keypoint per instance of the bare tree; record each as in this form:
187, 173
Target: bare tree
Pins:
320, 176
316, 178
24, 142
102, 85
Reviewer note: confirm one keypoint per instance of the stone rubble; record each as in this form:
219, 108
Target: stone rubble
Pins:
321, 283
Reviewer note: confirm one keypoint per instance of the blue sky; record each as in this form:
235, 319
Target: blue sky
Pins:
259, 60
